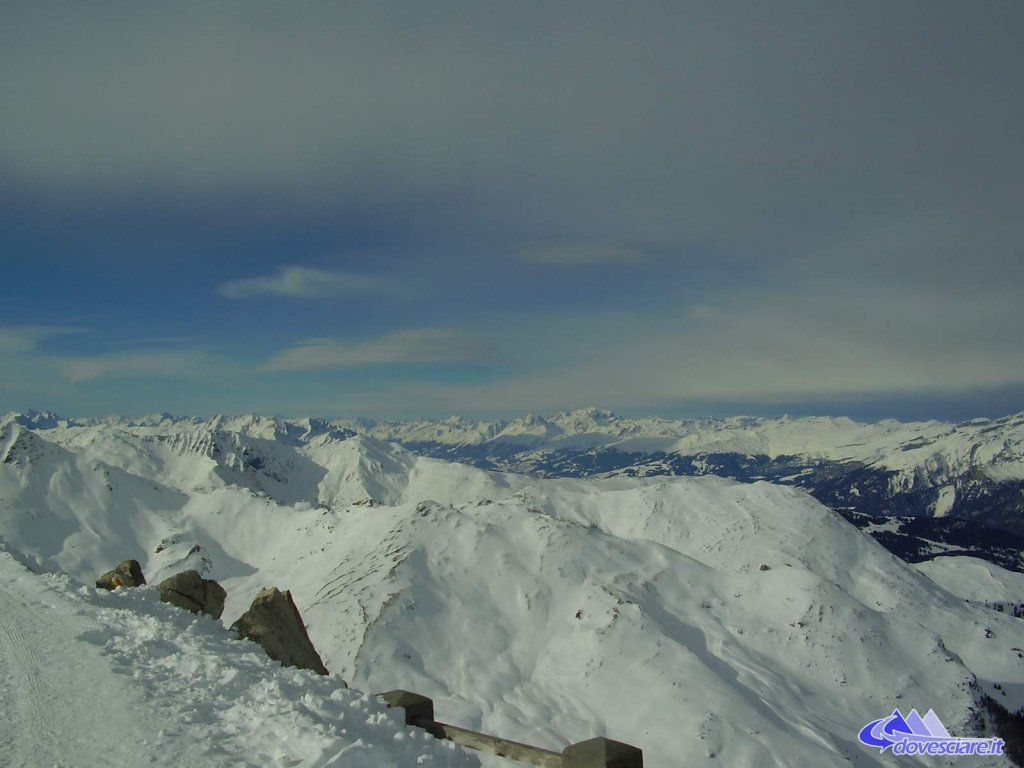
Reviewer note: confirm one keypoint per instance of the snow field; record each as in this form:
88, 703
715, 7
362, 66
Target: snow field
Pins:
735, 624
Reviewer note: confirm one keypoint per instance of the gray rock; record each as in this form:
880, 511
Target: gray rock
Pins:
127, 574
274, 622
192, 592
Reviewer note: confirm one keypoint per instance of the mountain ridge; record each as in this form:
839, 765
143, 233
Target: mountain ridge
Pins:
884, 443
971, 472
744, 621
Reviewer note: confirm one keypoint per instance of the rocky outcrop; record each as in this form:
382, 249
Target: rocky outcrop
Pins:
192, 592
274, 622
127, 574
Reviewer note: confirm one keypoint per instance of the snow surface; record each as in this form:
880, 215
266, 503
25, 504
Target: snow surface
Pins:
944, 502
974, 579
738, 624
93, 679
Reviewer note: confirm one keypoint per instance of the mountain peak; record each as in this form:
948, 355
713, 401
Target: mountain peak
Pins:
33, 419
598, 415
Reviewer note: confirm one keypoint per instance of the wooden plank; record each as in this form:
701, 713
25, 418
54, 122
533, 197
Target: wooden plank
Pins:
513, 750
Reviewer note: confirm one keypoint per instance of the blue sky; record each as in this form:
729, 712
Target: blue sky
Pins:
398, 210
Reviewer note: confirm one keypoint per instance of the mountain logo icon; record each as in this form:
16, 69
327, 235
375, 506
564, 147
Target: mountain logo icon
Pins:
915, 735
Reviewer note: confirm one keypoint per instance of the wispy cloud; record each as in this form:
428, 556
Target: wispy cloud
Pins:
417, 345
306, 282
831, 345
19, 349
167, 364
571, 254
26, 338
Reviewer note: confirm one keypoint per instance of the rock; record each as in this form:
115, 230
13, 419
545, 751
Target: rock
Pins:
192, 592
127, 574
274, 622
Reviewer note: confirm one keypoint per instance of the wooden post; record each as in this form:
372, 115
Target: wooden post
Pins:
419, 710
602, 753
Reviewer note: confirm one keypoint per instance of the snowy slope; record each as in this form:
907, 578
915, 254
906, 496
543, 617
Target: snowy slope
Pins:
740, 624
91, 679
974, 579
361, 469
325, 467
684, 642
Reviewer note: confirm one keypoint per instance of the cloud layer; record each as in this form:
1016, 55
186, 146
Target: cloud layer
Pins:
584, 203
666, 123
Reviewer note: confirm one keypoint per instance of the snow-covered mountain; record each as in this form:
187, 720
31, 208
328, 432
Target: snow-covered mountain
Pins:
740, 624
932, 452
887, 444
963, 483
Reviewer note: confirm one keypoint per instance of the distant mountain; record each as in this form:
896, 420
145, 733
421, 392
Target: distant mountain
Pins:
736, 623
949, 488
953, 487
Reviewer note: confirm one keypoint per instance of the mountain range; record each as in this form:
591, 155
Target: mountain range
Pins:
940, 487
739, 623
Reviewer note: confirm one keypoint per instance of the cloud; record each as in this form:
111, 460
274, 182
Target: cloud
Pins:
423, 345
19, 350
175, 364
574, 254
19, 339
843, 203
27, 377
675, 122
832, 343
306, 282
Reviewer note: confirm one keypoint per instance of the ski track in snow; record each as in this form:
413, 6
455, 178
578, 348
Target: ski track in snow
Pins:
63, 705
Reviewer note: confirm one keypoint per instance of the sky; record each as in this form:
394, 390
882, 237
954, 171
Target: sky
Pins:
486, 208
